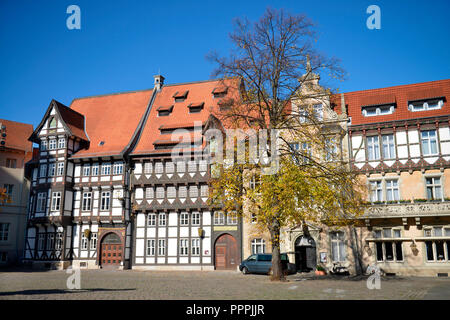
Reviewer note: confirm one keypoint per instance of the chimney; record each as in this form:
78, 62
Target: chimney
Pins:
159, 82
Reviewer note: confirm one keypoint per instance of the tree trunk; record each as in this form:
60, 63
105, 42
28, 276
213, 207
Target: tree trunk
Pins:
277, 271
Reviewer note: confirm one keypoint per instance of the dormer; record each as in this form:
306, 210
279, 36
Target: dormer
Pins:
378, 105
180, 96
164, 110
196, 107
220, 92
424, 100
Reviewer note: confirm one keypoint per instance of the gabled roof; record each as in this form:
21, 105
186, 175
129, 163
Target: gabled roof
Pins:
113, 119
198, 91
17, 134
73, 122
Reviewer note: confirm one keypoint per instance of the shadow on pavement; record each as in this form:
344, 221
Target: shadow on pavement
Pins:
57, 291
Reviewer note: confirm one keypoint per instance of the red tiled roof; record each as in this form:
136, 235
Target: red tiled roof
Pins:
181, 94
196, 104
17, 134
377, 100
178, 125
165, 108
111, 118
404, 93
198, 91
73, 120
221, 89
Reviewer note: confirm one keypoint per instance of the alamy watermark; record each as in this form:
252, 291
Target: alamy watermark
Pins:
374, 280
74, 20
74, 281
374, 20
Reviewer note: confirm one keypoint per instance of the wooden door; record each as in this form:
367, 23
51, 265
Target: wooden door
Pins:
226, 253
112, 248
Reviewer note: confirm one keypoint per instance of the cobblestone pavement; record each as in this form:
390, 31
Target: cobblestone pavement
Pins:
206, 285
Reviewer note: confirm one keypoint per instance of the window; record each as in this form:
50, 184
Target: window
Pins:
52, 123
184, 219
204, 191
388, 146
41, 241
392, 190
94, 171
151, 243
376, 191
151, 219
148, 168
93, 241
61, 143
436, 249
318, 112
255, 181
41, 202
338, 248
182, 191
118, 168
330, 149
3, 256
258, 246
106, 169
9, 190
184, 247
170, 167
50, 241
390, 249
429, 142
373, 148
149, 193
377, 111
60, 170
203, 166
195, 247
56, 201
160, 192
51, 169
59, 241
87, 170
232, 218
213, 145
219, 218
43, 145
43, 172
162, 219
159, 167
193, 192
52, 144
192, 166
11, 163
171, 192
425, 105
4, 231
87, 201
161, 247
254, 219
181, 167
105, 200
84, 241
434, 188
195, 218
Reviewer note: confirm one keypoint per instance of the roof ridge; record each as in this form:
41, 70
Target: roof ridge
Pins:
69, 108
192, 82
110, 94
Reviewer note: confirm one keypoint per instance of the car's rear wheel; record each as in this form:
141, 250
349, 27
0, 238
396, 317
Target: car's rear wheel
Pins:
245, 270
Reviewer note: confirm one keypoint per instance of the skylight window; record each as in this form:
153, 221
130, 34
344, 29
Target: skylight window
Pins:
180, 96
378, 110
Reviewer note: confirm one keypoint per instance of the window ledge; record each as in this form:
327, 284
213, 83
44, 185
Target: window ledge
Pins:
388, 239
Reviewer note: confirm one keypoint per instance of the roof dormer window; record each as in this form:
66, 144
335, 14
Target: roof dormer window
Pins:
180, 96
52, 123
220, 92
196, 107
424, 105
378, 110
164, 110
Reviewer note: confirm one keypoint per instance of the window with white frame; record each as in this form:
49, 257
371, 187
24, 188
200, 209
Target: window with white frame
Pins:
51, 169
50, 241
149, 193
171, 192
159, 168
52, 144
182, 191
392, 193
160, 192
192, 166
429, 142
61, 143
4, 231
170, 167
378, 110
52, 123
161, 247
93, 241
106, 169
84, 241
60, 170
376, 191
94, 171
41, 201
118, 168
338, 248
151, 247
424, 105
195, 218
195, 247
184, 219
105, 200
43, 145
184, 247
258, 246
388, 248
148, 168
388, 146
87, 201
193, 192
373, 148
86, 170
255, 181
59, 241
204, 191
219, 218
56, 201
43, 171
434, 188
151, 219
162, 219
202, 166
181, 167
232, 218
437, 249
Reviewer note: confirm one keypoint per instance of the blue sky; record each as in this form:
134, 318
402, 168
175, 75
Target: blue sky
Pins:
122, 44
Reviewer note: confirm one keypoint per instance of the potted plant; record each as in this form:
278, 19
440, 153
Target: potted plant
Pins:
320, 271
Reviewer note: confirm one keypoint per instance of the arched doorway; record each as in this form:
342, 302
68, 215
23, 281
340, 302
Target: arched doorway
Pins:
226, 253
111, 250
305, 254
